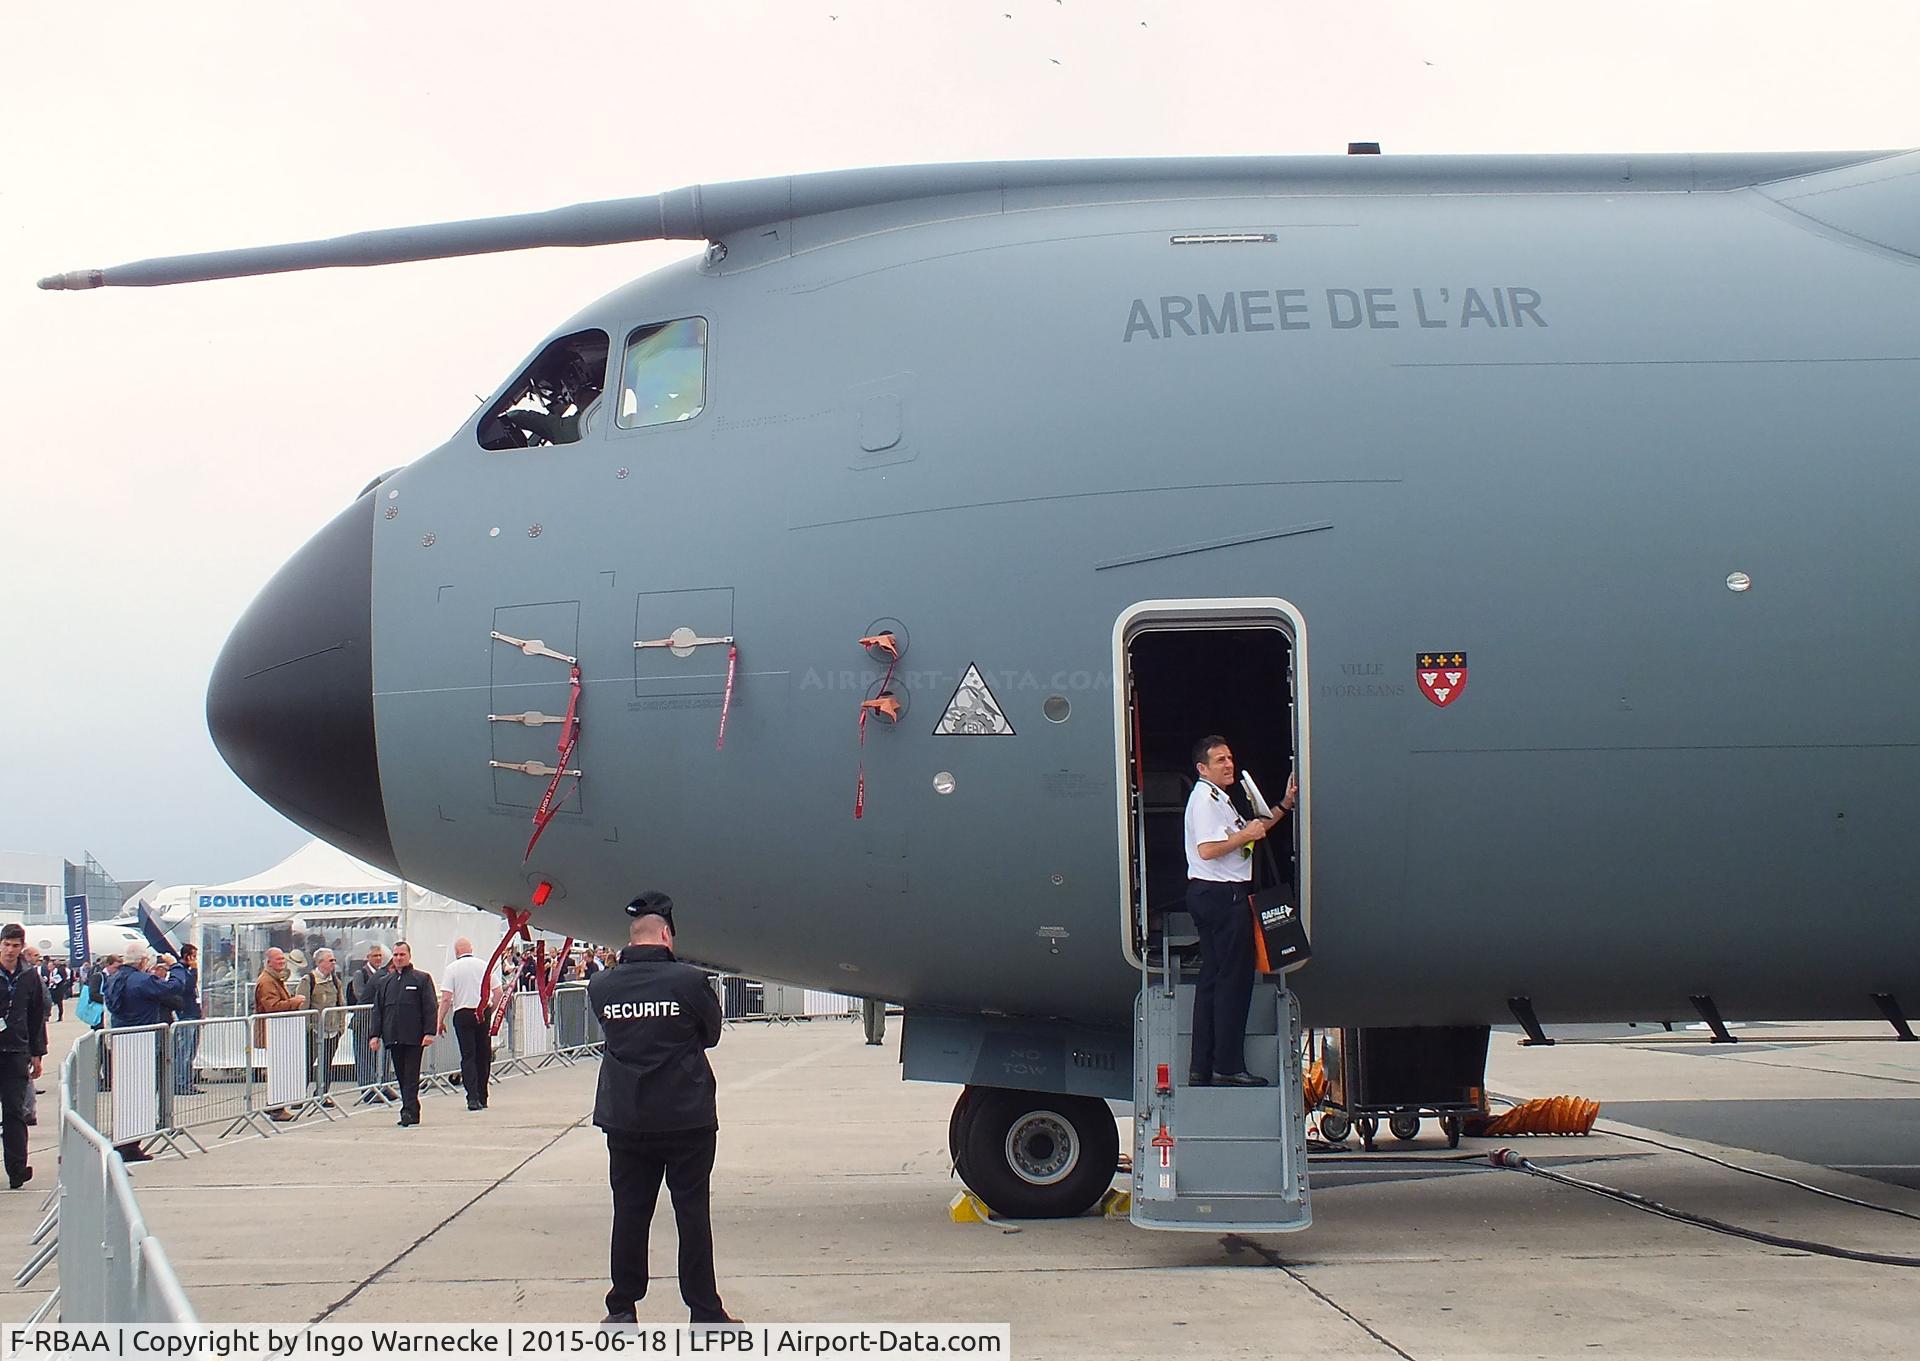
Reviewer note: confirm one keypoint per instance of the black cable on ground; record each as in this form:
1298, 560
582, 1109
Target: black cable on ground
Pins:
1506, 1157
1736, 1167
1347, 1158
1769, 1176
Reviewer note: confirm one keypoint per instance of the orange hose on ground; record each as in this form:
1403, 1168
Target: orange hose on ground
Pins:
1542, 1115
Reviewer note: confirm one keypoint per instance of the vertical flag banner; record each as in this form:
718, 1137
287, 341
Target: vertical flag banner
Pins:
77, 953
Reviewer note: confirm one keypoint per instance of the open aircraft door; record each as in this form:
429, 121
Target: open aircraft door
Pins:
1208, 1156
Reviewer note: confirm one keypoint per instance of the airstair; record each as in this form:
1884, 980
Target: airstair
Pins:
1208, 1157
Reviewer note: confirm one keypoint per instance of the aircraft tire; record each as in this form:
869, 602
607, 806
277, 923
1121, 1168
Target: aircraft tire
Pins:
1037, 1155
957, 1130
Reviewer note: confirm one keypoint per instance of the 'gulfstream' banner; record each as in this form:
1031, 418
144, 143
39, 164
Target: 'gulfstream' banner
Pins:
77, 931
369, 897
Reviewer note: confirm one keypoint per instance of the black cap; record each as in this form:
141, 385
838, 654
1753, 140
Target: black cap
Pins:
652, 904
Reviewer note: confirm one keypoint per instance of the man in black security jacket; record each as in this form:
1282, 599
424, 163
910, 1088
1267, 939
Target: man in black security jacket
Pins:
406, 1017
656, 1106
23, 1044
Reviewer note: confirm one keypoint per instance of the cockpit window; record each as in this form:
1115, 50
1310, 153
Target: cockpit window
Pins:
664, 377
553, 401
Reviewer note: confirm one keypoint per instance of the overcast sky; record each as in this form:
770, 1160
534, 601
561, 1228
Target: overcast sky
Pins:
167, 449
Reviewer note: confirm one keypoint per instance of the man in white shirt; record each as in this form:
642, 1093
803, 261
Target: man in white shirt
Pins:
460, 997
1219, 873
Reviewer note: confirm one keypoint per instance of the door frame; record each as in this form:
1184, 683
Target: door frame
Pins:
1153, 616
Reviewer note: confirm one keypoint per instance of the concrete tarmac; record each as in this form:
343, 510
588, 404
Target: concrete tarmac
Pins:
833, 1181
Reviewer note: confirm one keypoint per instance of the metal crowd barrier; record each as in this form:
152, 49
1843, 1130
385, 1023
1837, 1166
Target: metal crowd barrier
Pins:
169, 1086
754, 999
111, 1269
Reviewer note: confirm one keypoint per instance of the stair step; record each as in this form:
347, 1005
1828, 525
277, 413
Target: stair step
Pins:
1262, 1055
1229, 1112
1223, 1167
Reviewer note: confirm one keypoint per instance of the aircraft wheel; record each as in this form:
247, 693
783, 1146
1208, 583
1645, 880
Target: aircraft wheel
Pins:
1037, 1155
957, 1129
1405, 1125
1335, 1126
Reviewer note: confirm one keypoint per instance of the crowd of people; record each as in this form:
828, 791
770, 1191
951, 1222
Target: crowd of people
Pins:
655, 1101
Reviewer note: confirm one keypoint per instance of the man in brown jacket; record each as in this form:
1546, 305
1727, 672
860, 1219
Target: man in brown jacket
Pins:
270, 994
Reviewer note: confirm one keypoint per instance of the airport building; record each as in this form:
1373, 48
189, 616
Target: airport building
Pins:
34, 888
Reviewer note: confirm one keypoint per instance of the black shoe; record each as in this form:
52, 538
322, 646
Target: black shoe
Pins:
15, 1183
475, 1106
131, 1154
409, 1121
1199, 1079
1239, 1080
725, 1320
33, 1119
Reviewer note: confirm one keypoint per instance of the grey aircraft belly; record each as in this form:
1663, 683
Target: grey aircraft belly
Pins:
1543, 414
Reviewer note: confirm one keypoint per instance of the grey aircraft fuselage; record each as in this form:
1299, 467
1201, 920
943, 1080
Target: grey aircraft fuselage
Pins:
1535, 411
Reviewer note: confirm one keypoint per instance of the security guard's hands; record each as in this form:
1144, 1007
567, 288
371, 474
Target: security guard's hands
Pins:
1292, 796
1257, 830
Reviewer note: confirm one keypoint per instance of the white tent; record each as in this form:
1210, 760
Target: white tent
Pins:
320, 895
318, 877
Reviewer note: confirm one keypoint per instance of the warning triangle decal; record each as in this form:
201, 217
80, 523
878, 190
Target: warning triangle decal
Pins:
973, 711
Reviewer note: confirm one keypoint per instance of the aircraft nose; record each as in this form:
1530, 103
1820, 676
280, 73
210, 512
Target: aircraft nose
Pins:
290, 705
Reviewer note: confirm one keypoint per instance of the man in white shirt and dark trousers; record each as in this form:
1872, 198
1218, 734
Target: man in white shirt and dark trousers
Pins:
1219, 874
460, 996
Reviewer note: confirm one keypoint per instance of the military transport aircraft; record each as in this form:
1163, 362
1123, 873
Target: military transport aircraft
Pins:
864, 582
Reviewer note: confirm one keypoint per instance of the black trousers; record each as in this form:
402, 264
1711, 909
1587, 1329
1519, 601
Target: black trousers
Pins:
406, 1067
14, 1086
476, 1054
635, 1165
1225, 989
